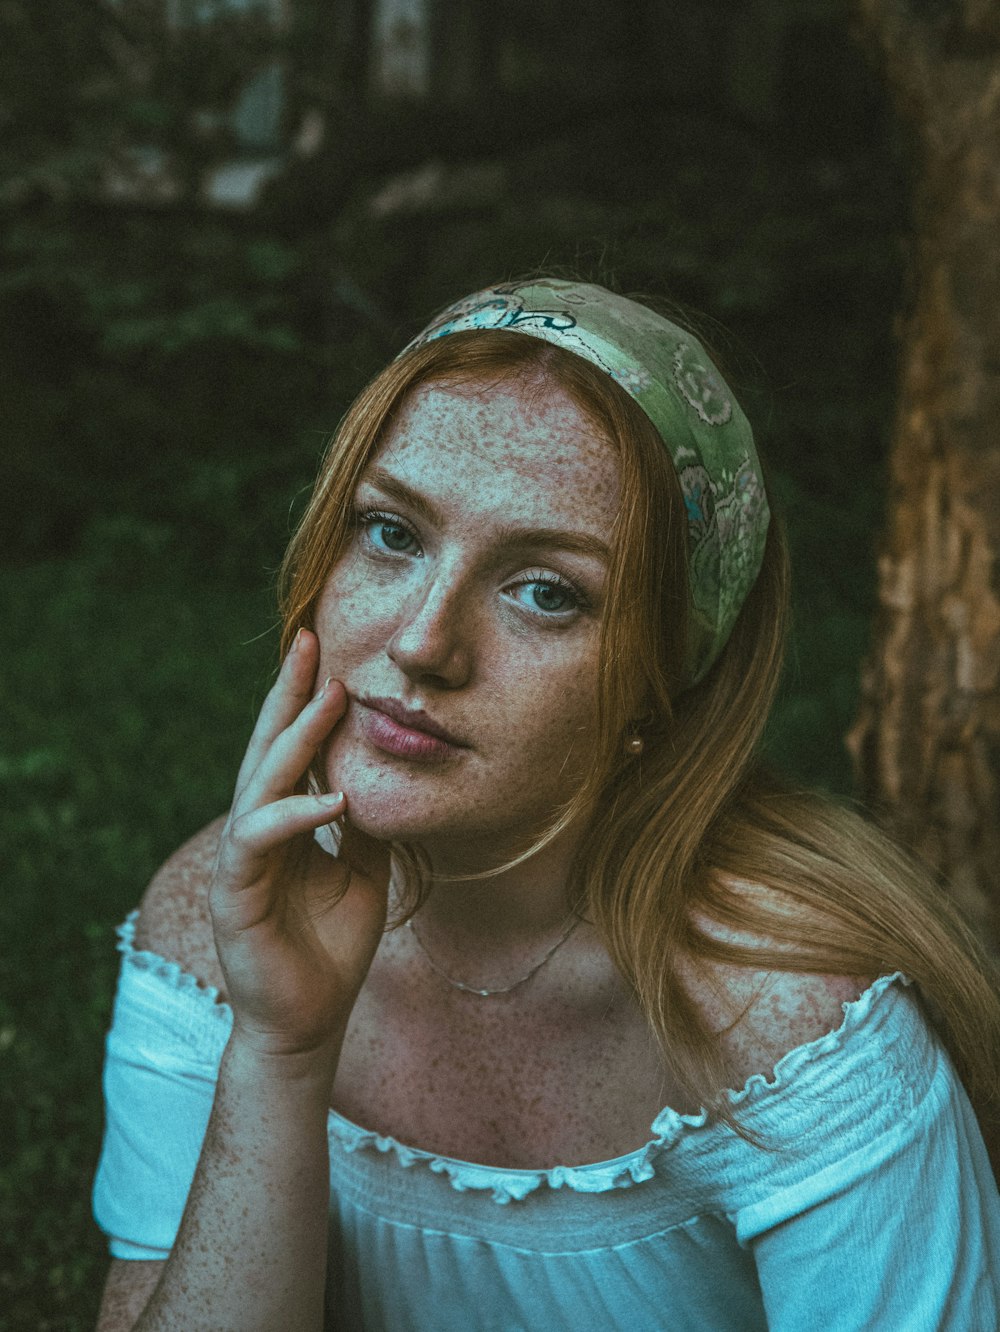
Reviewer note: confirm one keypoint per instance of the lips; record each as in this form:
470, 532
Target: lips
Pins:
413, 719
406, 731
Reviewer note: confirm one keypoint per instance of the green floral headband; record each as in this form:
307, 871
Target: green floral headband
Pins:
670, 375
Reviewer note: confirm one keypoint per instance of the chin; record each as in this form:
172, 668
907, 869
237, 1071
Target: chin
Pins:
420, 803
382, 819
384, 801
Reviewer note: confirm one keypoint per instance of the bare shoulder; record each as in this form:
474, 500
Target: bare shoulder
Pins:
760, 1015
126, 1294
174, 920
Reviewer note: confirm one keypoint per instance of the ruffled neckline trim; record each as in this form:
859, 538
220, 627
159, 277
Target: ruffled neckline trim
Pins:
172, 973
512, 1185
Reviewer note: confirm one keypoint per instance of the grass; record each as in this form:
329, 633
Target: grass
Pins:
127, 694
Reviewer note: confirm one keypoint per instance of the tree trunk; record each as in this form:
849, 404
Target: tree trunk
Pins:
927, 738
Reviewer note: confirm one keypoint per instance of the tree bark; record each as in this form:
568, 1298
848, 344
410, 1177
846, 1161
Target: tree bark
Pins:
926, 742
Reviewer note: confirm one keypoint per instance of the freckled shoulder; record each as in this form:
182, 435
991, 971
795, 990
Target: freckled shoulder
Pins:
761, 1015
174, 919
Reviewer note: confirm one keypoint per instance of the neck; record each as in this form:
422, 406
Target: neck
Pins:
496, 920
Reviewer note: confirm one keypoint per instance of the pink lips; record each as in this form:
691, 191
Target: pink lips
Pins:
407, 733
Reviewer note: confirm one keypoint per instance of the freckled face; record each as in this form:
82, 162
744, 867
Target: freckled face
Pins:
442, 602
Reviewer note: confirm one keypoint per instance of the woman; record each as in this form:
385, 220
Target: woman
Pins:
650, 1050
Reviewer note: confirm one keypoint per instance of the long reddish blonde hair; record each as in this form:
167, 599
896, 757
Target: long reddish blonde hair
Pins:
693, 831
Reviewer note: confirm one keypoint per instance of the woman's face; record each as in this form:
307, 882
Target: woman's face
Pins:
472, 589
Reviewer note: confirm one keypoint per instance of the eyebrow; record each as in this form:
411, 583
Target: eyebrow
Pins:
509, 535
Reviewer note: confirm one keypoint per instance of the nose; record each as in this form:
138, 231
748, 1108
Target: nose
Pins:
433, 637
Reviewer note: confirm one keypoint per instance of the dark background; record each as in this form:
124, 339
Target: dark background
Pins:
215, 229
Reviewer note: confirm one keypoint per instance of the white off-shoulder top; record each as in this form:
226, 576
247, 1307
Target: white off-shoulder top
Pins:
876, 1210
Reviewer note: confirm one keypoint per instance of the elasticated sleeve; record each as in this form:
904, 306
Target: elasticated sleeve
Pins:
898, 1237
883, 1211
160, 1071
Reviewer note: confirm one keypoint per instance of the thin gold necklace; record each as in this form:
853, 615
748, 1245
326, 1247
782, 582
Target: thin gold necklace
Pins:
503, 989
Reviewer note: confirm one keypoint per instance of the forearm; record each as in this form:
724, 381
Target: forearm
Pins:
251, 1250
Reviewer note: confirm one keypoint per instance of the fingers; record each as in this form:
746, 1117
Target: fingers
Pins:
269, 810
256, 833
293, 750
293, 723
286, 698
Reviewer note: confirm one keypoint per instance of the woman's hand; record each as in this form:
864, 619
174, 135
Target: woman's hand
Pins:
295, 929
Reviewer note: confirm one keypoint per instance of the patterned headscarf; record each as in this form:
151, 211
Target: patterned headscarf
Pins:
669, 374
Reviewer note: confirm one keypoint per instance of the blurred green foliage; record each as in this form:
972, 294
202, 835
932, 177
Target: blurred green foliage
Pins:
127, 696
170, 375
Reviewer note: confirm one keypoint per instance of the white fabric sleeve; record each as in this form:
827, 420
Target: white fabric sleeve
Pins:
900, 1234
160, 1071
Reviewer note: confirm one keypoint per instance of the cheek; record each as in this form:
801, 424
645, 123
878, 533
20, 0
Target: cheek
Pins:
350, 615
560, 717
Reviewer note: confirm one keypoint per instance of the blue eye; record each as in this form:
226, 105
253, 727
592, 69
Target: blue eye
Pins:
545, 593
551, 595
392, 535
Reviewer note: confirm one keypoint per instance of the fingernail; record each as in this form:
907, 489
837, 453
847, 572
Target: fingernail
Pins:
296, 641
323, 687
331, 798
